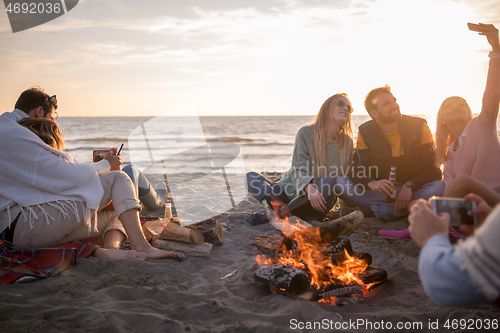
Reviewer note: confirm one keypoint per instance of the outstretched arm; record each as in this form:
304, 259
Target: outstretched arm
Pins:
491, 97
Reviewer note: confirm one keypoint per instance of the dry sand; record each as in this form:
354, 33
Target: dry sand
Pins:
101, 295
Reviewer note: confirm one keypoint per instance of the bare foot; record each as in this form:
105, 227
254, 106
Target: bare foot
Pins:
154, 253
120, 254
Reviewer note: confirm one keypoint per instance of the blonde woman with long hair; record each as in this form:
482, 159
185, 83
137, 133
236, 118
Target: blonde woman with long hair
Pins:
322, 152
468, 146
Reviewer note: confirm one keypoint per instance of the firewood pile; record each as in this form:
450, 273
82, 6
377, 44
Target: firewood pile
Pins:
195, 240
317, 263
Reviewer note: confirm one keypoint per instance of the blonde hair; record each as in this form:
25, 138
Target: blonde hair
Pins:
443, 136
46, 129
320, 128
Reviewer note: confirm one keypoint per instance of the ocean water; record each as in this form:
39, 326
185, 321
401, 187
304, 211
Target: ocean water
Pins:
262, 143
265, 143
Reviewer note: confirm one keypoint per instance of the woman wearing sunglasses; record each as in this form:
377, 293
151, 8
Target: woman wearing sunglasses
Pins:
469, 146
322, 151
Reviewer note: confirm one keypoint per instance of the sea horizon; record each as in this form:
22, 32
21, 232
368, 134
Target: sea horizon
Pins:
266, 142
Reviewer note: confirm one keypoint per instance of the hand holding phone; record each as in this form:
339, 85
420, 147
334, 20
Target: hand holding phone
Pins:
460, 210
115, 161
111, 155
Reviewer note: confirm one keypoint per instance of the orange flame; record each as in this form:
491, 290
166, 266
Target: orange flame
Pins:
311, 255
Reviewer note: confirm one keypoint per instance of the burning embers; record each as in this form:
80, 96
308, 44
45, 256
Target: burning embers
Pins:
312, 264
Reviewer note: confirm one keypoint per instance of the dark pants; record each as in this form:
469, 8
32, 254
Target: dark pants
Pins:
261, 188
142, 184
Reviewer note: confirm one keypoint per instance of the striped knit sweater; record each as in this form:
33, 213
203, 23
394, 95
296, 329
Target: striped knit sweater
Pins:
480, 256
479, 155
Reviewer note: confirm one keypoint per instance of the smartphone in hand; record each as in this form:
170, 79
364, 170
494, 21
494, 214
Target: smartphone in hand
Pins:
99, 154
460, 210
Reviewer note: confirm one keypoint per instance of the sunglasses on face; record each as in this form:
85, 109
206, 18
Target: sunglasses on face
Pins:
342, 104
53, 101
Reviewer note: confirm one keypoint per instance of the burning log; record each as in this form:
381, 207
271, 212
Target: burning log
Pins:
343, 226
284, 227
373, 274
336, 250
287, 279
340, 290
317, 264
329, 231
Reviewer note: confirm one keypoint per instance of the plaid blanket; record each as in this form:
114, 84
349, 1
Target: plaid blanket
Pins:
43, 262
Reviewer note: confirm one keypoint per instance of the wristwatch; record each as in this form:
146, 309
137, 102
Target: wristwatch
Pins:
410, 185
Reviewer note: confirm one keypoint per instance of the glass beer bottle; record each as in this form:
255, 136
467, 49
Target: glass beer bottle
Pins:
392, 178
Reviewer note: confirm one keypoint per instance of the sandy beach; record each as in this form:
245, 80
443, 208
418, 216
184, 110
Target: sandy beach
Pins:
101, 295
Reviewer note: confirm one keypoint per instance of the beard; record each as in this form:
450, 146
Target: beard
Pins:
392, 118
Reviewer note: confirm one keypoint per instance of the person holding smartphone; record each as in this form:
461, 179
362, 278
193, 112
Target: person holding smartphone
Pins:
466, 145
463, 274
48, 198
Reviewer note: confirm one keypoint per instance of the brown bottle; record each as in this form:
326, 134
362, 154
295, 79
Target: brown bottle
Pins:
392, 178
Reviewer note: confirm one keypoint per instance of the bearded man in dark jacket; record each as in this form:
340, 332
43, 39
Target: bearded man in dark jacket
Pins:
390, 139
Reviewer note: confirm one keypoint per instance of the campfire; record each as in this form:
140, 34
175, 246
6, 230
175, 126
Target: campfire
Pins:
314, 263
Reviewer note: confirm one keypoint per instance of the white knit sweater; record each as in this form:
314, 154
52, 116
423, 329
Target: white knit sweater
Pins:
33, 173
480, 256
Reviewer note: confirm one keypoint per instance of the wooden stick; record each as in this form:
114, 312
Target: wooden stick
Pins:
203, 250
343, 226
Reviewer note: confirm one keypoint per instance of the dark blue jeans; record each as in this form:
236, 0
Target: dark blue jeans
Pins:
360, 196
141, 183
261, 188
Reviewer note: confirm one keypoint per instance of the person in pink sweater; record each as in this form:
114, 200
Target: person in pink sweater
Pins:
470, 146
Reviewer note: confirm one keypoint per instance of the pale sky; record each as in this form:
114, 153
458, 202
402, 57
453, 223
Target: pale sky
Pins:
242, 57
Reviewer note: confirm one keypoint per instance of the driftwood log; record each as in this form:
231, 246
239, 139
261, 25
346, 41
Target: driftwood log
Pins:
212, 231
175, 232
343, 226
267, 244
290, 280
172, 231
152, 228
203, 250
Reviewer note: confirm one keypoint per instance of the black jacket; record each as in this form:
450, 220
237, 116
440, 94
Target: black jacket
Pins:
417, 164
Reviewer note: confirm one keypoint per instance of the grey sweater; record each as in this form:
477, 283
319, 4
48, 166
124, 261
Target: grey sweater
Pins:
303, 170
